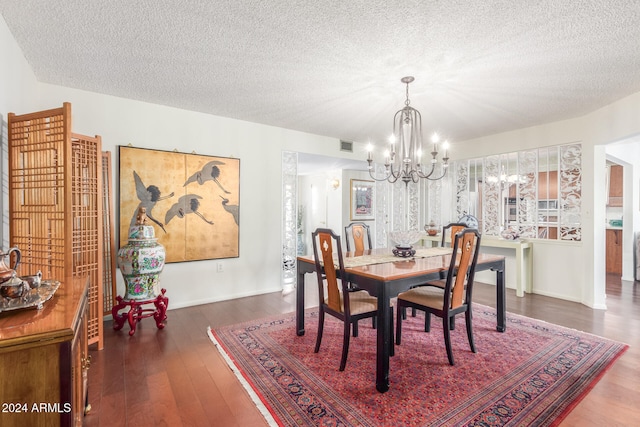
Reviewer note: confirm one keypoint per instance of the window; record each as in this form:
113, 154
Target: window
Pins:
535, 192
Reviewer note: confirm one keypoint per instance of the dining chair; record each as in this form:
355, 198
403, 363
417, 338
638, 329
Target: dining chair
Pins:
454, 228
449, 297
356, 232
338, 300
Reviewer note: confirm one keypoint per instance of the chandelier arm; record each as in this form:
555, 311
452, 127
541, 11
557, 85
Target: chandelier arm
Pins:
379, 179
444, 172
395, 174
374, 178
423, 175
390, 175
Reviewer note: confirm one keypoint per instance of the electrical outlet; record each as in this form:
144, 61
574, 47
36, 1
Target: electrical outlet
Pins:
219, 267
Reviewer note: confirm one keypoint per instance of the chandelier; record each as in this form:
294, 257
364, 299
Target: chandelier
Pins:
403, 159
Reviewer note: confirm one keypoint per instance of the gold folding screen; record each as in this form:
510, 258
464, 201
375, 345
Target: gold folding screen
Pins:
55, 202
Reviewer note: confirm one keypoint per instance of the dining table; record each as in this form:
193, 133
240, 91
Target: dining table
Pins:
384, 276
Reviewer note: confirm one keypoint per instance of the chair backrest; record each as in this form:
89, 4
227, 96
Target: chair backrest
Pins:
357, 231
324, 241
459, 283
454, 228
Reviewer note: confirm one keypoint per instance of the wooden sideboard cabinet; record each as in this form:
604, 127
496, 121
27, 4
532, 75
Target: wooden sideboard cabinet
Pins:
44, 360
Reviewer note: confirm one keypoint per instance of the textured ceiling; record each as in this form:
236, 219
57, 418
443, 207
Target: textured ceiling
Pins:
333, 67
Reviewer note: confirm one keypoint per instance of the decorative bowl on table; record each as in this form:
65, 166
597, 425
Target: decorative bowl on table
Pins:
510, 234
404, 241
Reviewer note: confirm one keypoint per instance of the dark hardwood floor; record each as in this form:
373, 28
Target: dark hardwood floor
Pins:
176, 377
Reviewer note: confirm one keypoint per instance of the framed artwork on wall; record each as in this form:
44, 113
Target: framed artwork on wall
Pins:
362, 200
191, 200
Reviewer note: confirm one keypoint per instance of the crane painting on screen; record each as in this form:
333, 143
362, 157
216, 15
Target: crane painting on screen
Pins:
232, 209
148, 197
209, 172
185, 205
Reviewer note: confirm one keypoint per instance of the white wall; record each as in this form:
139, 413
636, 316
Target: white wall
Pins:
308, 188
18, 85
322, 203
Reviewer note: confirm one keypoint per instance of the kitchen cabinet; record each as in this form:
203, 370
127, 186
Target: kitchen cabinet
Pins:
545, 232
615, 186
614, 251
548, 185
44, 360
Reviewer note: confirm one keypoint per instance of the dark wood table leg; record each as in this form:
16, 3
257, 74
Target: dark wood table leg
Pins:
501, 296
300, 301
384, 342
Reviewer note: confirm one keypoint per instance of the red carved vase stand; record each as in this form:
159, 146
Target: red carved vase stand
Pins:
137, 312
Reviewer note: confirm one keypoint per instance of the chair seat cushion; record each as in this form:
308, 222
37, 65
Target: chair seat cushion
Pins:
428, 296
437, 283
360, 302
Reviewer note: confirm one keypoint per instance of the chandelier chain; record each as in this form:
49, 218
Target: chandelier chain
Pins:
407, 102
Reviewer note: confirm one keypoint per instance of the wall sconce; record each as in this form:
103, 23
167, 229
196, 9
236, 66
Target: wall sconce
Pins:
335, 183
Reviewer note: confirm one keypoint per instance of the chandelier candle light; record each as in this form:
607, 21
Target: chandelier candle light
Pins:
407, 136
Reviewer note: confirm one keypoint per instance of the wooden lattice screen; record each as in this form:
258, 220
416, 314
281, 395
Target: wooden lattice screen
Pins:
86, 193
55, 205
109, 239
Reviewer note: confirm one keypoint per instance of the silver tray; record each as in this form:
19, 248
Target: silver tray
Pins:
34, 298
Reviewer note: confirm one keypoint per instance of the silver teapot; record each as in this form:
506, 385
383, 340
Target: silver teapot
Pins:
34, 280
6, 270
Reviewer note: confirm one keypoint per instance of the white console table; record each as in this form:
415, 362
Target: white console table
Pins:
524, 258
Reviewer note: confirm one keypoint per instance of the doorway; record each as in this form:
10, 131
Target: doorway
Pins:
614, 217
323, 193
620, 215
295, 224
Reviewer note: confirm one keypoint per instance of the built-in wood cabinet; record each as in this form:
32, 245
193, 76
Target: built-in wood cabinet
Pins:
548, 185
615, 186
614, 251
44, 360
545, 232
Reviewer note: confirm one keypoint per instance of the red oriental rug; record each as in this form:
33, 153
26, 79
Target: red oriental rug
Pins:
533, 374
